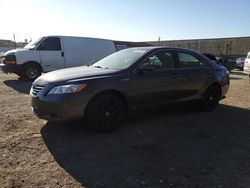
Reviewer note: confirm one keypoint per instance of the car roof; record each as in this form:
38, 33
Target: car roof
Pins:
149, 48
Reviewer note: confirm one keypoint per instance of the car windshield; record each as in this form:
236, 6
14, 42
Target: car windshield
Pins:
248, 57
122, 59
33, 43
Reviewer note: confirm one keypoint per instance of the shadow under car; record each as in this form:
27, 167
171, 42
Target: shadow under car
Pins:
159, 148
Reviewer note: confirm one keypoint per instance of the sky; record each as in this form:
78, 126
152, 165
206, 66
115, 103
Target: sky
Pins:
127, 20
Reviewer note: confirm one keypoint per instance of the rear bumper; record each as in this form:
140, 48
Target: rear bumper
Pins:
225, 84
239, 65
224, 91
229, 66
11, 68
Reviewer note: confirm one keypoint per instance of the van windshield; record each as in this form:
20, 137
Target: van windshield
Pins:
33, 43
122, 59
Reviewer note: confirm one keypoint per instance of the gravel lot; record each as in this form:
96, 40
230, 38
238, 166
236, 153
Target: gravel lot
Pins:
159, 148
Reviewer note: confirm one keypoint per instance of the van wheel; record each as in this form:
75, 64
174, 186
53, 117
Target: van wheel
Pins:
31, 72
105, 113
211, 98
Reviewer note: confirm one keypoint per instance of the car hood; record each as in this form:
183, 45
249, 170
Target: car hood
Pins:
82, 72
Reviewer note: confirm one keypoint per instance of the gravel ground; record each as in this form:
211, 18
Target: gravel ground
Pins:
160, 148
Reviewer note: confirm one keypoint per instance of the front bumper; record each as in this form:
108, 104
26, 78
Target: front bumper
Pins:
11, 68
246, 70
58, 106
64, 107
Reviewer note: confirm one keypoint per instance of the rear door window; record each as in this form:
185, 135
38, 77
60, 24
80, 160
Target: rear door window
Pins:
50, 44
187, 60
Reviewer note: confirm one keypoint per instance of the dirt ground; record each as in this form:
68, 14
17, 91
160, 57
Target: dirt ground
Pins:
162, 148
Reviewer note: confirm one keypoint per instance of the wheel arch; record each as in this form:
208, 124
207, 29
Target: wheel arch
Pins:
217, 84
33, 63
112, 92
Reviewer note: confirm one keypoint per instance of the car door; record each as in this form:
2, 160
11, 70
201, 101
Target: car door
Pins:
51, 54
194, 74
157, 85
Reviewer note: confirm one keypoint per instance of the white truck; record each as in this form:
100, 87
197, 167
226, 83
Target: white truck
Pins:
54, 52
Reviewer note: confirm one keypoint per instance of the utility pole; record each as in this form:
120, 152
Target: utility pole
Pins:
227, 48
14, 40
199, 45
159, 40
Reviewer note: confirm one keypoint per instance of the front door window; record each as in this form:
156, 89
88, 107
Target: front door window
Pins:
50, 44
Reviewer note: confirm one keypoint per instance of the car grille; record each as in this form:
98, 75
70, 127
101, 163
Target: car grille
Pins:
36, 89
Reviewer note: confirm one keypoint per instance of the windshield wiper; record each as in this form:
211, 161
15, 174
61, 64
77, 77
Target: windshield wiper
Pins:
98, 67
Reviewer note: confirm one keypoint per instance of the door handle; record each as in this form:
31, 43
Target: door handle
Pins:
182, 77
209, 72
63, 54
179, 77
174, 76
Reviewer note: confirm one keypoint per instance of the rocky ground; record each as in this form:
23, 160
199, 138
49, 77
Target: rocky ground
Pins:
160, 148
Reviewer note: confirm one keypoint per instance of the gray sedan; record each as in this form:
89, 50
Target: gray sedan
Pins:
104, 92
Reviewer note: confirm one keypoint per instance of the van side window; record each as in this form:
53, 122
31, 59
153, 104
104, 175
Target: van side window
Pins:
50, 44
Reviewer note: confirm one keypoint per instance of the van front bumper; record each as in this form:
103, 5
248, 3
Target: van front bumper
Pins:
11, 68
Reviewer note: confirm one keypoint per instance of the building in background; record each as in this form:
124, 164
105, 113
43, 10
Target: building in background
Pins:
220, 47
234, 47
6, 45
125, 44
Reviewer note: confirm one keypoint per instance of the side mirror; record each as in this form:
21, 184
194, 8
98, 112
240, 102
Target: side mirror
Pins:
147, 67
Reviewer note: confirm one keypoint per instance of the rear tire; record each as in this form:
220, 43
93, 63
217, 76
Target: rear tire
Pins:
31, 72
105, 113
211, 98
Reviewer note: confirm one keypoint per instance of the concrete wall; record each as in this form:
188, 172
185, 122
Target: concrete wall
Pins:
238, 46
11, 44
220, 47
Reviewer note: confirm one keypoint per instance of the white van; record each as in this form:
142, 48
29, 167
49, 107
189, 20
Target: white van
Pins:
247, 64
54, 52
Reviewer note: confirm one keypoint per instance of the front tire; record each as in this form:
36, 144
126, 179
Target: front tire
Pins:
31, 72
211, 98
105, 113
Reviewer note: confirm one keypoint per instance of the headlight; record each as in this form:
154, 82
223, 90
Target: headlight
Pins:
10, 59
71, 88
